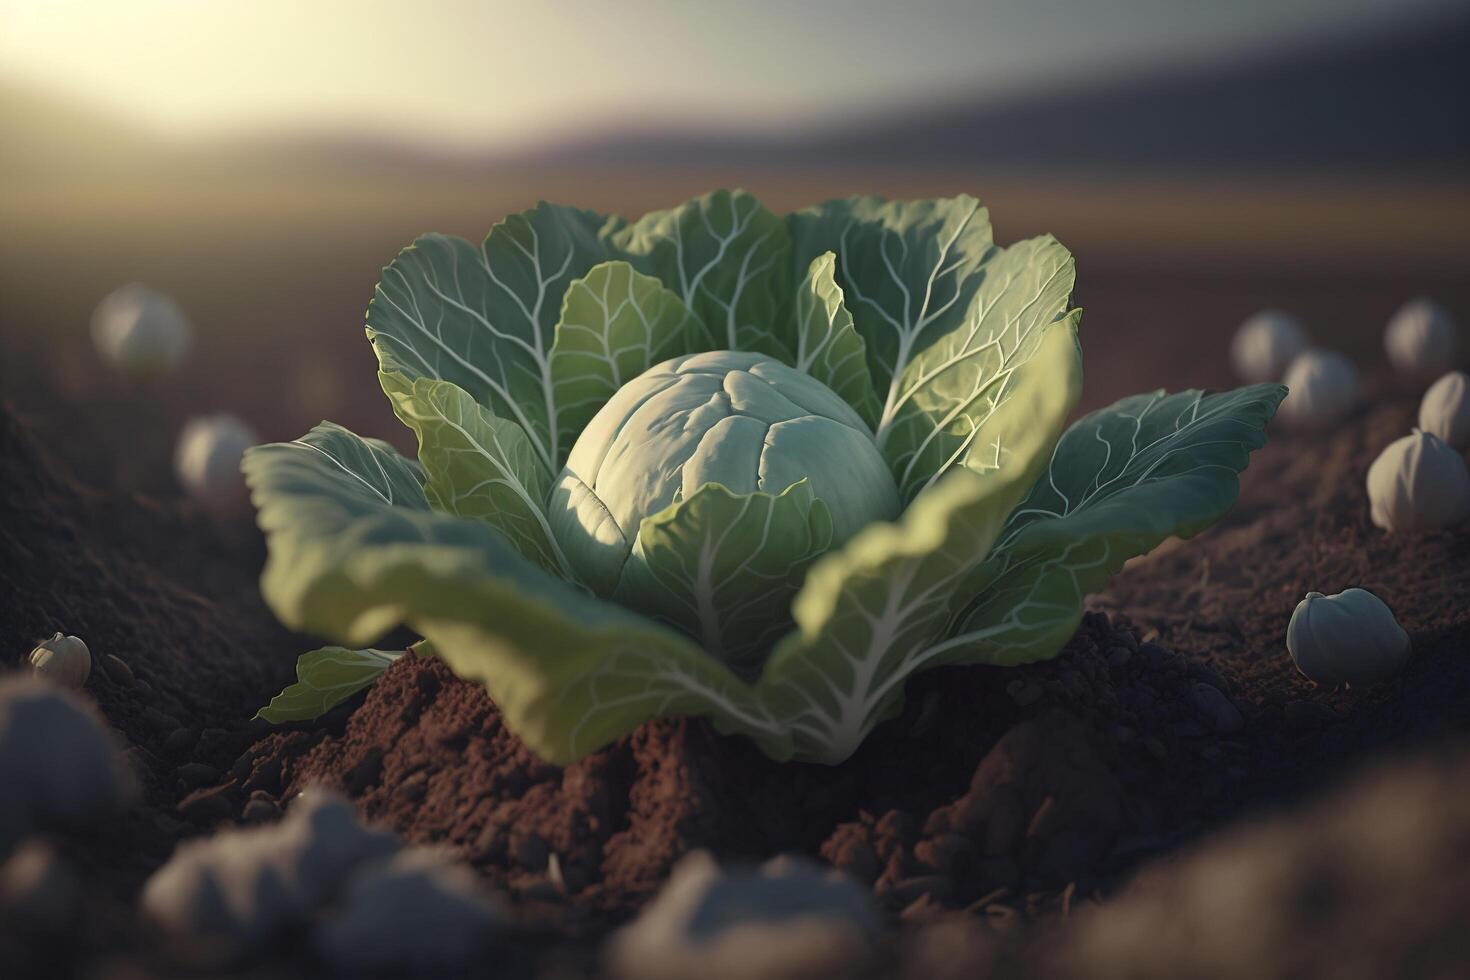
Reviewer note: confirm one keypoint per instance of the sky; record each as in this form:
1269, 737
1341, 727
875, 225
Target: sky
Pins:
483, 73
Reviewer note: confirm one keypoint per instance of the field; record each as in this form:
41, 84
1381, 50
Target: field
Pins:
1169, 779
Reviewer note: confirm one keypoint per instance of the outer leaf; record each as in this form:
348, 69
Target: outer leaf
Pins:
732, 562
828, 347
324, 679
615, 324
483, 316
868, 614
907, 268
478, 466
950, 392
728, 258
1121, 481
570, 672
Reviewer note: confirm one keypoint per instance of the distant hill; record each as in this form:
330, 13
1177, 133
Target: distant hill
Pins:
1395, 100
1392, 102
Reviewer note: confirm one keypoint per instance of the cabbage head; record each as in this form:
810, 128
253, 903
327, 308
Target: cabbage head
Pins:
722, 463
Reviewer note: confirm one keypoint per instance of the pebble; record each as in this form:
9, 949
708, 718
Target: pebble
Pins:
259, 810
1216, 709
143, 688
1159, 658
1119, 656
197, 773
117, 670
217, 742
180, 741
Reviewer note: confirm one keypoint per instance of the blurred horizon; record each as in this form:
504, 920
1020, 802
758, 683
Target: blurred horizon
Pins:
488, 79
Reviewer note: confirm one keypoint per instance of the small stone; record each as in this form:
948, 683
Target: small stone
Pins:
117, 670
1218, 712
1155, 748
1024, 692
1119, 657
217, 741
197, 773
1159, 658
143, 689
258, 810
180, 741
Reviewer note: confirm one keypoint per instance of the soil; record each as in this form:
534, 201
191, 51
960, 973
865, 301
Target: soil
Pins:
1014, 794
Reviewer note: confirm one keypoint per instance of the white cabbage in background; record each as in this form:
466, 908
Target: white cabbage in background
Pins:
1420, 339
141, 332
207, 460
1266, 344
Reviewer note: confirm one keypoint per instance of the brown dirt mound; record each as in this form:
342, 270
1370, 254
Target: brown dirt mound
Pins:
995, 784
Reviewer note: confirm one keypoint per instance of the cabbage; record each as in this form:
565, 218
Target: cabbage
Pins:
721, 463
